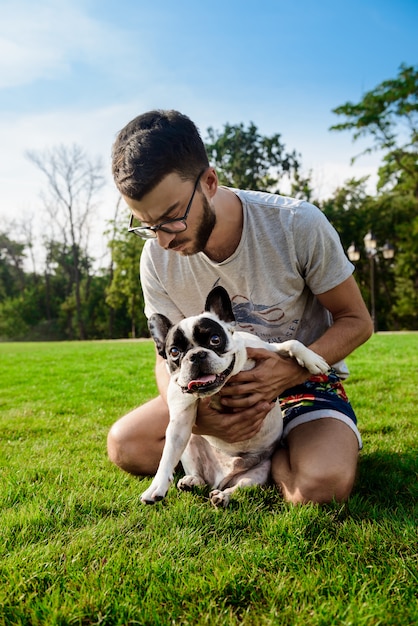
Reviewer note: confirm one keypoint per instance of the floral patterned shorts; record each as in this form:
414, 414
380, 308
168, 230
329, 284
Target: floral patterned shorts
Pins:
320, 396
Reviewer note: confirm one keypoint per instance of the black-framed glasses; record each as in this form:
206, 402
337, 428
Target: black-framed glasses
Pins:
173, 226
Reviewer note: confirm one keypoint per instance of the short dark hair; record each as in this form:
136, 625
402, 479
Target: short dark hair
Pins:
153, 145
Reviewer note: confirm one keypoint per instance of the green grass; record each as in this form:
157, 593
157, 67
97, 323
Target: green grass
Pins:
77, 547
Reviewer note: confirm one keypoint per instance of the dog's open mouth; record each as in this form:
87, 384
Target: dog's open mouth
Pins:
209, 382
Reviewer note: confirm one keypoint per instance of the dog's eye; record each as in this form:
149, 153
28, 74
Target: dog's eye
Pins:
215, 340
174, 352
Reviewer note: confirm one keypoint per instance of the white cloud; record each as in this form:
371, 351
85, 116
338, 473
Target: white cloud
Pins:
94, 130
50, 39
327, 176
40, 40
21, 182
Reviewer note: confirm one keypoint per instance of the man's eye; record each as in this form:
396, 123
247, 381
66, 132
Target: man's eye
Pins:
215, 340
174, 352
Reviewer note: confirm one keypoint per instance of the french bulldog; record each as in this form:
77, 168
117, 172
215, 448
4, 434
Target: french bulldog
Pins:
202, 353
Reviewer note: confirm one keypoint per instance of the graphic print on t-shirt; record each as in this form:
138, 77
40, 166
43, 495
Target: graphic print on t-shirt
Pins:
258, 319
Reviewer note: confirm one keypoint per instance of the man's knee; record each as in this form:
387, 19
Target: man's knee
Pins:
135, 442
125, 452
321, 487
115, 445
319, 465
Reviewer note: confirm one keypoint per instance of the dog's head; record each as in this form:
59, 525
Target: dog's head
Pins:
202, 352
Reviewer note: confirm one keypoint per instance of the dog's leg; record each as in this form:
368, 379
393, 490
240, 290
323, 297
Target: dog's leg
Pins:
257, 475
303, 355
176, 438
200, 464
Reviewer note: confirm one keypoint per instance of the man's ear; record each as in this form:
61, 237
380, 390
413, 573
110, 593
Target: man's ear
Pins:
159, 325
209, 181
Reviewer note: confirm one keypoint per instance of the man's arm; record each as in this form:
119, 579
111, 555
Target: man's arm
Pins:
273, 374
162, 376
352, 322
252, 393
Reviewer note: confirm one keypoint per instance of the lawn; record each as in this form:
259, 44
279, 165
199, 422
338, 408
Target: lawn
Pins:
77, 547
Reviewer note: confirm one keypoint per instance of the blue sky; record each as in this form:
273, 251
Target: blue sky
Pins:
75, 71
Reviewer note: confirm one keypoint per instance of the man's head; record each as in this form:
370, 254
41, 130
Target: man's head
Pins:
152, 146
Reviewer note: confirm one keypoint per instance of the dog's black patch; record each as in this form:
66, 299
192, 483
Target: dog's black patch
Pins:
159, 326
219, 302
176, 339
211, 335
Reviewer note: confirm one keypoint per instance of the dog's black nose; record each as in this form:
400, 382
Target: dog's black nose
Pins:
198, 356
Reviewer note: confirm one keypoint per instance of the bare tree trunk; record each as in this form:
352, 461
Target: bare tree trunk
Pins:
73, 181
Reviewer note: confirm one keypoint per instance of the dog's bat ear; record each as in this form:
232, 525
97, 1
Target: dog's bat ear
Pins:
219, 302
159, 325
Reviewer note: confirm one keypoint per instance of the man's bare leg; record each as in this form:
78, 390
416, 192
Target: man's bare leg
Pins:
319, 463
135, 442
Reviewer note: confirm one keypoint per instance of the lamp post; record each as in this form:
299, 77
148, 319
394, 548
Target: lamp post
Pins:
372, 251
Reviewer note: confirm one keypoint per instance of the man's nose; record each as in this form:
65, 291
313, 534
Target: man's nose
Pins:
164, 239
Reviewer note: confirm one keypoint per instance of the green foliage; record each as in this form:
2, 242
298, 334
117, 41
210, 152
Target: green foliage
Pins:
301, 187
392, 217
12, 256
245, 159
399, 172
68, 300
389, 115
124, 290
12, 323
406, 269
77, 547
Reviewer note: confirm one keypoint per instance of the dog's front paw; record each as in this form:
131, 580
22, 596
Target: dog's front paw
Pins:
156, 492
219, 499
188, 482
314, 363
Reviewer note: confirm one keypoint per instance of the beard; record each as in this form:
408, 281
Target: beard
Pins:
202, 233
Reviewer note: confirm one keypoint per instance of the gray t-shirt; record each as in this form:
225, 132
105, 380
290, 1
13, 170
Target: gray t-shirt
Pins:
288, 253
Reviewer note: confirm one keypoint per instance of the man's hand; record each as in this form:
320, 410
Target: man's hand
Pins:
271, 375
233, 425
248, 397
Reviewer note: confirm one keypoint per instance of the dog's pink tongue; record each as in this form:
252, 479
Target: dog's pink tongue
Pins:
204, 380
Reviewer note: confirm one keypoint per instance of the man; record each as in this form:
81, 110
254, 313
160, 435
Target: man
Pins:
288, 277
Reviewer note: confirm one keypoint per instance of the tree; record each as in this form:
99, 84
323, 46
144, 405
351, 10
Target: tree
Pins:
12, 276
243, 158
301, 187
73, 182
389, 115
353, 213
60, 287
12, 284
124, 291
405, 294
